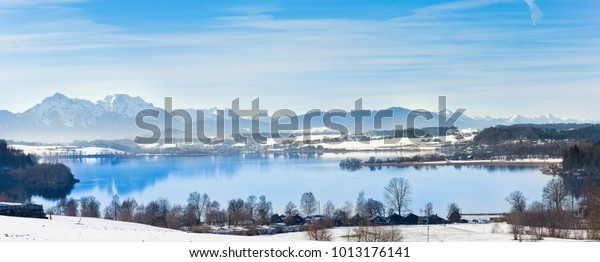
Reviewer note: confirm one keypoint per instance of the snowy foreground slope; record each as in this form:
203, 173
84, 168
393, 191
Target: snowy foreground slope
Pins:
62, 228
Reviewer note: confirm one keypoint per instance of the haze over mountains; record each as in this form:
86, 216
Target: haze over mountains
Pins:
62, 119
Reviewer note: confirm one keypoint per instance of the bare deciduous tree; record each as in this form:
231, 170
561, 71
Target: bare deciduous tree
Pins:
517, 201
112, 210
127, 210
329, 210
70, 208
360, 204
397, 194
290, 211
453, 207
518, 204
428, 210
59, 209
156, 212
264, 210
374, 208
175, 217
308, 203
198, 203
344, 213
555, 193
235, 211
90, 207
250, 208
215, 215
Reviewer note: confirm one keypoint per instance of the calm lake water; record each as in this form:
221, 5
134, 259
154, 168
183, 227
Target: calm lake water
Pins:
285, 178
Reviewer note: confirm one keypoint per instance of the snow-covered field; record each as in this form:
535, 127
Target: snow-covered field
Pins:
62, 228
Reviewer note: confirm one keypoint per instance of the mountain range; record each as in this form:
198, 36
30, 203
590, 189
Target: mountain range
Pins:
62, 119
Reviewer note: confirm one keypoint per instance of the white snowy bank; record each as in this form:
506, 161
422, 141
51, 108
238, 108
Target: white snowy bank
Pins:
62, 228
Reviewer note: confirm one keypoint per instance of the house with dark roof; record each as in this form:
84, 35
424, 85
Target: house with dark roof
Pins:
395, 219
436, 220
275, 218
454, 217
411, 219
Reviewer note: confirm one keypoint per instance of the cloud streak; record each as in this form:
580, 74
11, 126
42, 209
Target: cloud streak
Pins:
458, 6
536, 12
36, 2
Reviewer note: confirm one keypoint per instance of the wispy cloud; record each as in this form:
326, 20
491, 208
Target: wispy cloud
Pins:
253, 9
536, 13
35, 2
39, 1
458, 5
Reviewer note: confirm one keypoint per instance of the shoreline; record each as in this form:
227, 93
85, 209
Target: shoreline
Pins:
469, 163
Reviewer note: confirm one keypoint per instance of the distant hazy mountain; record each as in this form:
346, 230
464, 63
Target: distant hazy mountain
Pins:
62, 119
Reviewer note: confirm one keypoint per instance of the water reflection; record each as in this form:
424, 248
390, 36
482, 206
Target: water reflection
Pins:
576, 184
127, 175
487, 168
284, 177
22, 192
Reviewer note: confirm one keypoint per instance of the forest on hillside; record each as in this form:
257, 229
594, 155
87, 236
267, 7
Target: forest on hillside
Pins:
577, 145
21, 176
503, 134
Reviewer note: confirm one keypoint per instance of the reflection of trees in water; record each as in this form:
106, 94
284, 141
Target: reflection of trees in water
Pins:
351, 168
102, 161
503, 168
576, 184
294, 155
23, 192
489, 169
373, 168
419, 168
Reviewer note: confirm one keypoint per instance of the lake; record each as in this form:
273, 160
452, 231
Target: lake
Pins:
284, 178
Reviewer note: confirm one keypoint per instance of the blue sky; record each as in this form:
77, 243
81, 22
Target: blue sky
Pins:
493, 57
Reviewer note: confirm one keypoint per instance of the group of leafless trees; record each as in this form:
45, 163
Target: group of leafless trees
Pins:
253, 211
397, 194
559, 214
200, 212
84, 207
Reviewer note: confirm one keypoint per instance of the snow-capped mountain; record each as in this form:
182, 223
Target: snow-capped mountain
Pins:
62, 119
545, 119
123, 104
59, 110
